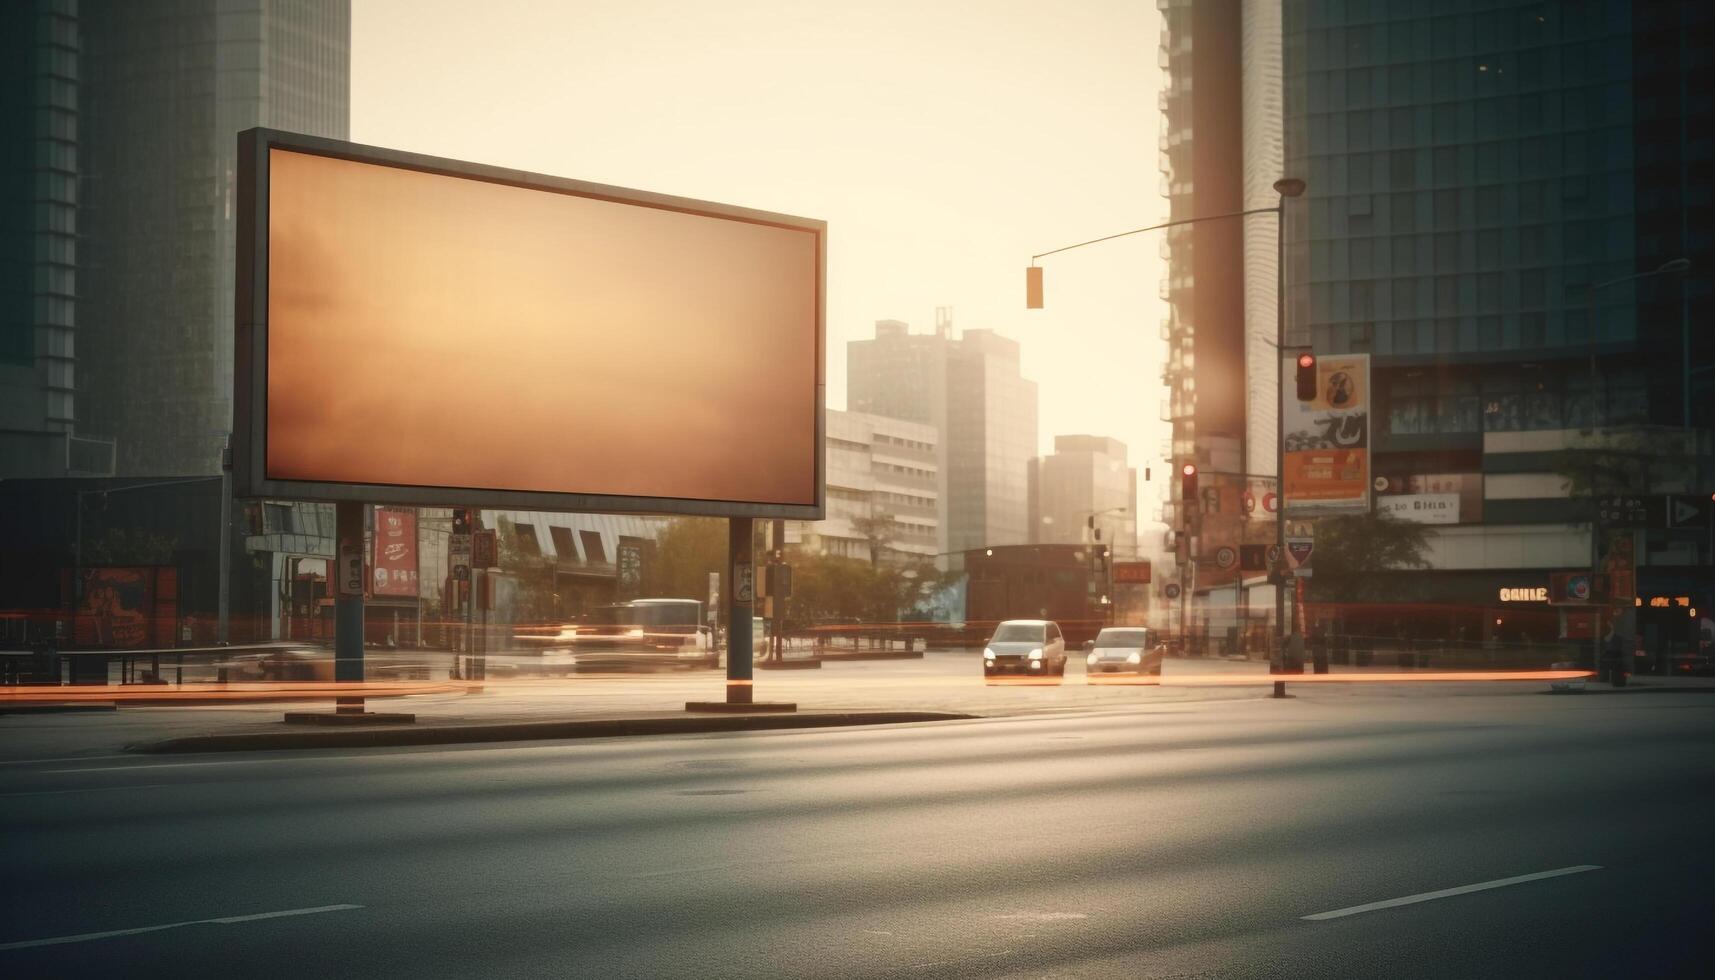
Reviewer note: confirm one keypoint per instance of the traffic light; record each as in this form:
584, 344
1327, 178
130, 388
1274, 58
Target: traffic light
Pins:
1306, 377
1188, 486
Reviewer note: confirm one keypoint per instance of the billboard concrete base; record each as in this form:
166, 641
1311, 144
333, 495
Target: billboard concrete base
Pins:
349, 718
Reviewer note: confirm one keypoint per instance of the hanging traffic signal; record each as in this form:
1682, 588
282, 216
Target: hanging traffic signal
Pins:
1306, 377
1188, 487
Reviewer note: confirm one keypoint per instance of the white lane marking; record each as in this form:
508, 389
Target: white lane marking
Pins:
68, 758
1450, 892
88, 789
168, 765
1040, 916
85, 937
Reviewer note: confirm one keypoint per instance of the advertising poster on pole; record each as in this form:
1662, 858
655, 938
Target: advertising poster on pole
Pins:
394, 566
1326, 441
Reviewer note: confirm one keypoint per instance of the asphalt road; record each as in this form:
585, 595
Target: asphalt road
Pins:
1173, 838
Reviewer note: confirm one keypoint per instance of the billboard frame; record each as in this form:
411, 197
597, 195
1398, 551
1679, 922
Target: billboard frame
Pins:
250, 374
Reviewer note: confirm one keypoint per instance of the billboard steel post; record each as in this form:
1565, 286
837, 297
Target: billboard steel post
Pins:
348, 602
740, 593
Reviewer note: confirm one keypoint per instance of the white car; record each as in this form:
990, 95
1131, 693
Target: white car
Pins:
1034, 647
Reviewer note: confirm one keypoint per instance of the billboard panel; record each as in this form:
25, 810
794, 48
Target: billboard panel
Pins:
418, 331
1326, 441
394, 566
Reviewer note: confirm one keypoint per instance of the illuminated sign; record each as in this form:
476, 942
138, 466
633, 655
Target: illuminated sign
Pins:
1666, 602
1539, 594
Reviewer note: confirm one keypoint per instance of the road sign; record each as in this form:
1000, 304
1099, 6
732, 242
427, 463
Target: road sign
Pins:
1686, 511
1226, 557
1299, 549
744, 582
1273, 555
1172, 590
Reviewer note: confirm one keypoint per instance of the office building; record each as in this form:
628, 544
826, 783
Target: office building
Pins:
40, 51
165, 90
1221, 153
1491, 188
970, 389
1085, 486
883, 480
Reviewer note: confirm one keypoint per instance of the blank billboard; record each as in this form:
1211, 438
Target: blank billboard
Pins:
414, 330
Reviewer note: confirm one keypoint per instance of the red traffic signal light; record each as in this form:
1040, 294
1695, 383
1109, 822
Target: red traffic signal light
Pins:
1188, 488
1306, 378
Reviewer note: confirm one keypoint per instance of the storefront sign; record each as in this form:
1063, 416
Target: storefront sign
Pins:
1524, 595
1420, 508
1132, 572
1326, 444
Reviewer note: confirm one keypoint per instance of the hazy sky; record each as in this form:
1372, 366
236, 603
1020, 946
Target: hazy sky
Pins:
944, 142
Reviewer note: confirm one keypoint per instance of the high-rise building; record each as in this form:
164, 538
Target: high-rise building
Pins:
1498, 194
1085, 485
1221, 153
883, 479
1493, 190
164, 92
970, 389
40, 65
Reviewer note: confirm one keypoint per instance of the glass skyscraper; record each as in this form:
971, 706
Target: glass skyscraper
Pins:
166, 89
1491, 185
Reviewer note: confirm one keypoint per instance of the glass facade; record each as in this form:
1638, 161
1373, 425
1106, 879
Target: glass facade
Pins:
1490, 183
39, 63
1470, 174
167, 88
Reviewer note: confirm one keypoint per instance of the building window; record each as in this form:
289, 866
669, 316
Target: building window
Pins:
563, 544
593, 550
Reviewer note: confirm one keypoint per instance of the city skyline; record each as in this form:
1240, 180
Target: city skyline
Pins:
939, 175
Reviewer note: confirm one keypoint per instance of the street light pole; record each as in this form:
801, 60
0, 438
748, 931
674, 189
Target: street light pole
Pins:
1286, 187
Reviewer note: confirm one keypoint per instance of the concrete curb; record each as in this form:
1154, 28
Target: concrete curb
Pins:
529, 731
871, 655
1640, 689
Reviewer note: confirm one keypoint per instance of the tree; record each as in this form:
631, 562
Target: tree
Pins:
538, 598
1351, 549
686, 551
877, 531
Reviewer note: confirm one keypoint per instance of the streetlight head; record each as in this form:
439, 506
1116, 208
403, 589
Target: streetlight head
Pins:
1289, 187
1033, 287
1675, 267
